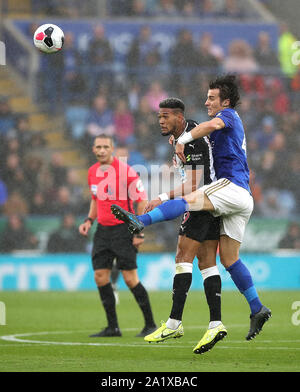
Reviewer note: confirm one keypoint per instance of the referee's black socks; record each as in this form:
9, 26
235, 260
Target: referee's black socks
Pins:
109, 303
142, 298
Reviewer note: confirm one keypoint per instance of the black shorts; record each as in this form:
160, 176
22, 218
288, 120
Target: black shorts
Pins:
112, 242
200, 226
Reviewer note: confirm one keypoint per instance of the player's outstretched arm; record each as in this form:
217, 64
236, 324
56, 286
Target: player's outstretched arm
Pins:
193, 179
201, 130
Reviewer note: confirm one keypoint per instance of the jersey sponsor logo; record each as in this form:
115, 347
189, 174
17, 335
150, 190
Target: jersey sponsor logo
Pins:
196, 157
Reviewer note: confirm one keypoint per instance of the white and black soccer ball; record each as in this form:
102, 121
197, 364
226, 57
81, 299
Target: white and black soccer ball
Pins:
48, 38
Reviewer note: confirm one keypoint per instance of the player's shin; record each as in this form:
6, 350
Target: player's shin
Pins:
243, 281
212, 287
181, 285
169, 210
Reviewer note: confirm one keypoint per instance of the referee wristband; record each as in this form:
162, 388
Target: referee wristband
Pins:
186, 138
89, 219
163, 197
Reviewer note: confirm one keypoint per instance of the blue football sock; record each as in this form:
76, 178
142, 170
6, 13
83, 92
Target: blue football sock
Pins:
169, 210
243, 281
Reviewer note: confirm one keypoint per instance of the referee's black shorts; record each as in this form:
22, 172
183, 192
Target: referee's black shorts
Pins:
200, 226
112, 242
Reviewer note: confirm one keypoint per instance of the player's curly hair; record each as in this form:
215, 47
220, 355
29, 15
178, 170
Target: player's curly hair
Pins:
228, 87
172, 103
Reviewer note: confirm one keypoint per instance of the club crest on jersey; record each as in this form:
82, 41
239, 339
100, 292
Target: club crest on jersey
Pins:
140, 186
94, 190
185, 217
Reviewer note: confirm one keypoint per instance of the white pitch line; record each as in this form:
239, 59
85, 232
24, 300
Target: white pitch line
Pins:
17, 338
261, 348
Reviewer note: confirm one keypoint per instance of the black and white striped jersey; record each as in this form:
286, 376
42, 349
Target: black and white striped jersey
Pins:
198, 154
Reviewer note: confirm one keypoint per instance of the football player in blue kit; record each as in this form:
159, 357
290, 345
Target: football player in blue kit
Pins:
229, 197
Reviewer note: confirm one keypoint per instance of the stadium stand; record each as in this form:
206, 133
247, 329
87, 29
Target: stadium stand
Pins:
119, 94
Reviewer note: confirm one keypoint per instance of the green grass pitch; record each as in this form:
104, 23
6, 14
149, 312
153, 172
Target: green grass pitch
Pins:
48, 332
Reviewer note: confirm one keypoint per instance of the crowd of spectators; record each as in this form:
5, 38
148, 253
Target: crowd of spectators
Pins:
31, 183
124, 105
225, 9
126, 108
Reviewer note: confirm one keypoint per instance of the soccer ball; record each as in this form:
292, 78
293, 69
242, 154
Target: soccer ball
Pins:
48, 38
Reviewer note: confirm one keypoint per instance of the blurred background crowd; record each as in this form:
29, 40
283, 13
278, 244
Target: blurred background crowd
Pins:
93, 96
146, 8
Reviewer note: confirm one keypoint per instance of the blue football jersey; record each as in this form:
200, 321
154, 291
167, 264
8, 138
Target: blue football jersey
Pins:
229, 149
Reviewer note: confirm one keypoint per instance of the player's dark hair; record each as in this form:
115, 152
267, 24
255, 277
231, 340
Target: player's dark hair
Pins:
105, 136
228, 88
172, 103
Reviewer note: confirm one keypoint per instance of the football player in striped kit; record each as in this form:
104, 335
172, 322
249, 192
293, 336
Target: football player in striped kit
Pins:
229, 197
199, 231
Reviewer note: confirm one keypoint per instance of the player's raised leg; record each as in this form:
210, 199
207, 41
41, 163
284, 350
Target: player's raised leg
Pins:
169, 210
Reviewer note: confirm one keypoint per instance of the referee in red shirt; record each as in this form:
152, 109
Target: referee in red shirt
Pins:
112, 181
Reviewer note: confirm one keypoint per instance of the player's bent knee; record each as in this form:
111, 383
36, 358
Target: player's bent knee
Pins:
228, 259
184, 256
207, 254
179, 256
196, 200
206, 263
229, 250
206, 260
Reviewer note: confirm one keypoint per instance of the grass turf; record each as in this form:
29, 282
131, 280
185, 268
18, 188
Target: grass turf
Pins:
55, 328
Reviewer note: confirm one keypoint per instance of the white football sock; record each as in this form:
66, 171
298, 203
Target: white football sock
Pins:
214, 324
172, 323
